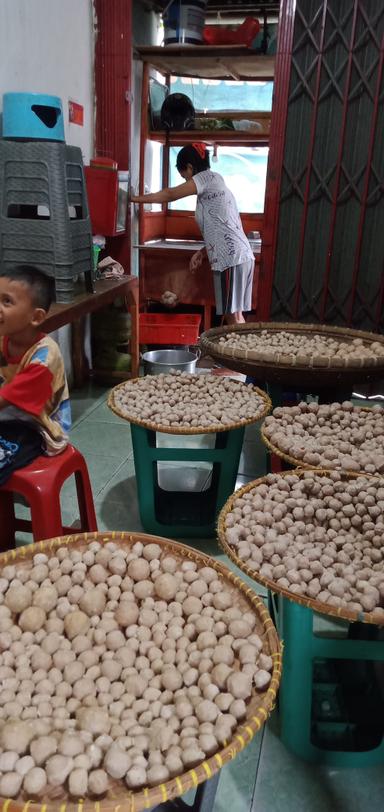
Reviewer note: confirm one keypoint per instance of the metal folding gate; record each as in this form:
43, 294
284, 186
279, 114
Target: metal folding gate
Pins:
323, 256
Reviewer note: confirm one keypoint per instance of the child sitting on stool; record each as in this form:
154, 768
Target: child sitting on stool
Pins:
35, 413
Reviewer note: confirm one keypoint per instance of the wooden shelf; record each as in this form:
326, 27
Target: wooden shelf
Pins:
176, 138
163, 265
209, 61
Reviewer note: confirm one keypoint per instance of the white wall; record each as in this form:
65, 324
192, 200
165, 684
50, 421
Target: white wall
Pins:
46, 46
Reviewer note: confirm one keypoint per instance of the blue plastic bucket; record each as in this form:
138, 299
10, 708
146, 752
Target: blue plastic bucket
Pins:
33, 116
184, 22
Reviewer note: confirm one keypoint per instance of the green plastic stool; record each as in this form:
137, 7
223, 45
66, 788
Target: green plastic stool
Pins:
187, 514
331, 709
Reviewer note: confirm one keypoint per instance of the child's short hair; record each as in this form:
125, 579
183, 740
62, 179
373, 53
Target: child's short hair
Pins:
199, 160
41, 286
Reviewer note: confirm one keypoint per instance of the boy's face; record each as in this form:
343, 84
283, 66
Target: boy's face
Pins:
17, 310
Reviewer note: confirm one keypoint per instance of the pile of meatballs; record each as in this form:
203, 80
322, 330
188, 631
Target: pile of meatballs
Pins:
183, 401
119, 663
319, 536
336, 435
304, 349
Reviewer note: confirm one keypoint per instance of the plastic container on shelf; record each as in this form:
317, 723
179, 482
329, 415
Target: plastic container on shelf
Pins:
108, 196
95, 257
169, 328
184, 22
248, 125
244, 34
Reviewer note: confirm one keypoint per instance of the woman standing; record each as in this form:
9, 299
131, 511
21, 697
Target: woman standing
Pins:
226, 246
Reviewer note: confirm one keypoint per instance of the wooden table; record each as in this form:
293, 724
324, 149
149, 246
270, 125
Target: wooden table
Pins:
106, 291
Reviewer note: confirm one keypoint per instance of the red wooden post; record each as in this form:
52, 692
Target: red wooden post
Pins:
276, 153
113, 61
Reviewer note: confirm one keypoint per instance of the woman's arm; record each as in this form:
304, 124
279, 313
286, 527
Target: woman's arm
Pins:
168, 195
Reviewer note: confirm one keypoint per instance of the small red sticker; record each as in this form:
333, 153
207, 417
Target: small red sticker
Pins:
76, 113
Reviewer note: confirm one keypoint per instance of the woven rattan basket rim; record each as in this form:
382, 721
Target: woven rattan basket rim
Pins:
145, 424
303, 600
298, 463
209, 344
148, 797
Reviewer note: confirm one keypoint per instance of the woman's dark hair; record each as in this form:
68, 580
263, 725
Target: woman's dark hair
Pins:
190, 155
41, 286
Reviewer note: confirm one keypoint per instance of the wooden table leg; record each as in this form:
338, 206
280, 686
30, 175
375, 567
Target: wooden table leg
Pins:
207, 321
79, 362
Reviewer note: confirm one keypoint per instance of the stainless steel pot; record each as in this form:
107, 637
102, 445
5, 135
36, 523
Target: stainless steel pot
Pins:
158, 361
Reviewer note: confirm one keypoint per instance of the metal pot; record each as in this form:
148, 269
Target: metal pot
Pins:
158, 361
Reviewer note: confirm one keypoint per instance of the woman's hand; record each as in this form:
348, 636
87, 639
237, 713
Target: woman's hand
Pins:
196, 260
167, 195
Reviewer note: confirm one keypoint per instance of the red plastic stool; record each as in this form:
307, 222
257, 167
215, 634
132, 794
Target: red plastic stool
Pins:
40, 483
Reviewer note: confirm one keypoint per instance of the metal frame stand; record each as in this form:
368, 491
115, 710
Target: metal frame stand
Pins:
188, 514
203, 802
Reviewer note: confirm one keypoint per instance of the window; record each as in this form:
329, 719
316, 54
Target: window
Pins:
153, 172
244, 170
222, 94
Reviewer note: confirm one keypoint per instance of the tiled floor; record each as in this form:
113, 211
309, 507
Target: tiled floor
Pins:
265, 777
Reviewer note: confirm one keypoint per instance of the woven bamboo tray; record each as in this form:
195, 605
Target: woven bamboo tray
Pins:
264, 410
300, 375
119, 798
296, 462
303, 600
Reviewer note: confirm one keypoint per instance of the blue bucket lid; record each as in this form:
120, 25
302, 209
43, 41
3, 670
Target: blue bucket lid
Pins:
34, 115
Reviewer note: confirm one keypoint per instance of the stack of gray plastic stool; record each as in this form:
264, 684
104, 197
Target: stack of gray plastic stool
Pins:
44, 217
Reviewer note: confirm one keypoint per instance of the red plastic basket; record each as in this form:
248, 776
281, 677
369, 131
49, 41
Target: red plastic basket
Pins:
169, 328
